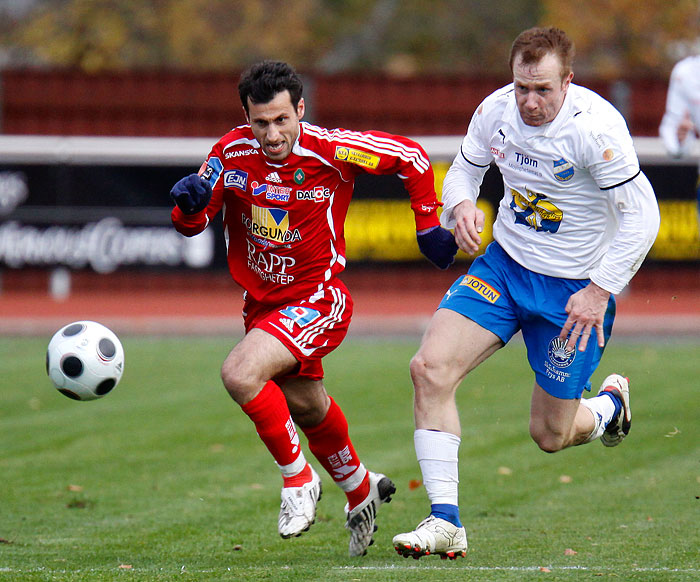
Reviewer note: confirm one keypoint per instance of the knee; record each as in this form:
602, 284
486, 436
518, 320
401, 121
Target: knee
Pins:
548, 440
238, 382
430, 377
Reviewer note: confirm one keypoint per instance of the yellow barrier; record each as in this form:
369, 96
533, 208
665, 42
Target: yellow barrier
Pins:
384, 230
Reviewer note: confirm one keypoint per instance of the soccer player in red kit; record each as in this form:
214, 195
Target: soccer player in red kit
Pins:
284, 187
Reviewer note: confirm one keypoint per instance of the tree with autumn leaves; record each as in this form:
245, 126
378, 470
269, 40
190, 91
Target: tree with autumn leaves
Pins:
613, 37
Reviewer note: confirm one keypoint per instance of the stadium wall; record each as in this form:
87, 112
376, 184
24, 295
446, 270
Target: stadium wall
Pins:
190, 104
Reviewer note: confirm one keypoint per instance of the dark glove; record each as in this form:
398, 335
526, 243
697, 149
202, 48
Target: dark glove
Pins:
191, 194
438, 246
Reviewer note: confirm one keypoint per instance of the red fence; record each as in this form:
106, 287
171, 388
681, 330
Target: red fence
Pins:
181, 104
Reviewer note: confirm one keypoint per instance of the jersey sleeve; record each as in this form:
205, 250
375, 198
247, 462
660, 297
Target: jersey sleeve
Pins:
638, 224
463, 179
379, 153
192, 224
608, 150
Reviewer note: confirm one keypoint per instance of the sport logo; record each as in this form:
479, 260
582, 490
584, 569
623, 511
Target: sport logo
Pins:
302, 316
271, 224
272, 192
483, 289
235, 179
563, 170
559, 355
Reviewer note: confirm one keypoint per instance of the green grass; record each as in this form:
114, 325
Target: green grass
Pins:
167, 476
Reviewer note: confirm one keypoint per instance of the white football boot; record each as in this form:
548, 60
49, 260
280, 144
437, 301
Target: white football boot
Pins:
360, 521
618, 427
298, 508
433, 536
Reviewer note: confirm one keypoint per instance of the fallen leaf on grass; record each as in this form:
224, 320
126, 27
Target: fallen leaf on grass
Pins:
570, 552
543, 569
505, 471
75, 487
565, 479
4, 541
673, 433
125, 566
414, 484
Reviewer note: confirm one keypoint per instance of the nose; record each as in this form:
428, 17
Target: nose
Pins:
531, 101
273, 132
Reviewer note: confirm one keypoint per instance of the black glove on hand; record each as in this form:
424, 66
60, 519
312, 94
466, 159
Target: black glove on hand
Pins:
438, 246
191, 194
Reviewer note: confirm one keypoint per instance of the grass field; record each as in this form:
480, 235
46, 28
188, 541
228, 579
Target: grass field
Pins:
165, 479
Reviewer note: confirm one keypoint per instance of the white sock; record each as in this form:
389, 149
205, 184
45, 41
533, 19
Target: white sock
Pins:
603, 409
437, 454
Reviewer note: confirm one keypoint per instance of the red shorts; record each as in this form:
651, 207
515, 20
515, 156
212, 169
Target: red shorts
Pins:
310, 328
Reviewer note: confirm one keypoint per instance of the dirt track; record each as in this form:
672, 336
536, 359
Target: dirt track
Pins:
394, 301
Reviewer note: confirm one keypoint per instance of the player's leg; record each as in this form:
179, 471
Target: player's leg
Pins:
246, 374
329, 441
559, 418
476, 318
556, 423
453, 345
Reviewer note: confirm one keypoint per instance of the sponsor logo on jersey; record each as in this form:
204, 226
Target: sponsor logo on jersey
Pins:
318, 194
271, 224
236, 179
272, 192
559, 356
273, 177
482, 288
357, 157
211, 170
239, 153
301, 316
273, 267
299, 176
498, 153
608, 155
563, 170
534, 210
258, 188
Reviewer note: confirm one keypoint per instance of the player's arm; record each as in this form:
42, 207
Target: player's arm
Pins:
197, 198
393, 154
638, 219
459, 193
460, 188
676, 129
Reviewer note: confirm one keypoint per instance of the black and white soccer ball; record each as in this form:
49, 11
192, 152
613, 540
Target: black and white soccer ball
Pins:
85, 360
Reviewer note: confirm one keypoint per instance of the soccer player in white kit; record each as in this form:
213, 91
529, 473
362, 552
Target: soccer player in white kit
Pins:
576, 220
681, 119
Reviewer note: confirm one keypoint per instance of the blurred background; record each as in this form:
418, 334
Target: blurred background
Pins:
104, 104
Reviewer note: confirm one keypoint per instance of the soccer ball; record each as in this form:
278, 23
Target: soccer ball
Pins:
84, 360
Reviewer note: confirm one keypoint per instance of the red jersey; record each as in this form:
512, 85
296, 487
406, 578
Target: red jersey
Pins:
284, 221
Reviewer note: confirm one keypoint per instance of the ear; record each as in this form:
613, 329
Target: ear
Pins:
567, 81
247, 118
301, 108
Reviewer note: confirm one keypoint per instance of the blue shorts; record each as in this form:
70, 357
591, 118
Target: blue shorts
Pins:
505, 297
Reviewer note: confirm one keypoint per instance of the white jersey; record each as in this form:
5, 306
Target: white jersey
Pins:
575, 203
683, 99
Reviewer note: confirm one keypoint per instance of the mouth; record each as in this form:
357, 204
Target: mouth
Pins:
275, 149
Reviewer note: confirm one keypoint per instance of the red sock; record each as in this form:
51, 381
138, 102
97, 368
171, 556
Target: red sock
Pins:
269, 411
330, 443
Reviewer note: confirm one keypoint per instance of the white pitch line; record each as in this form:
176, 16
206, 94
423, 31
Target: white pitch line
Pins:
521, 568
